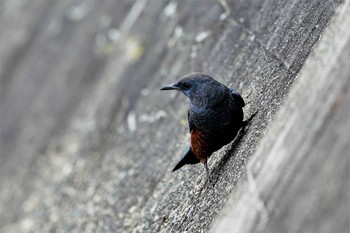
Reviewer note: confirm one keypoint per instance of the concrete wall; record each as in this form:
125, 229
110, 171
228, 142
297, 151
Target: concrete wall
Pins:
88, 140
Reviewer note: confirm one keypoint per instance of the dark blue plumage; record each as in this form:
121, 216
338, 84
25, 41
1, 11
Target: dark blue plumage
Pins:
215, 116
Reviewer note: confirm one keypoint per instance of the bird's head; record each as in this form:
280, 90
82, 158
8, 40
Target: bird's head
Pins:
201, 89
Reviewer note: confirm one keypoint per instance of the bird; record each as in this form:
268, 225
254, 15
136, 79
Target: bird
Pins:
215, 116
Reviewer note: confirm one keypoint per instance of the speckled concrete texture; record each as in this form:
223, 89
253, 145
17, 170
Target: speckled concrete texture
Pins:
87, 138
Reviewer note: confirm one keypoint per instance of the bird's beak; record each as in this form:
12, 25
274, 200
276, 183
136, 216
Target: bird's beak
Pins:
170, 87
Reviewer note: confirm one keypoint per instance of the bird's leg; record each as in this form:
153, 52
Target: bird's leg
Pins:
207, 172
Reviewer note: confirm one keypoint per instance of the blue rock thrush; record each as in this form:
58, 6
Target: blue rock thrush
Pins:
215, 116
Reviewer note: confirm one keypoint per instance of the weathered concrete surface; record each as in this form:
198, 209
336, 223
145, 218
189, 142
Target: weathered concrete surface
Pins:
87, 140
298, 180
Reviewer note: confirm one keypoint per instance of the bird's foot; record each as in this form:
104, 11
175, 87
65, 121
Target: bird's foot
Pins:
209, 182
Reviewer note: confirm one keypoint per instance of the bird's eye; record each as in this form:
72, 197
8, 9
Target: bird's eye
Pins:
186, 86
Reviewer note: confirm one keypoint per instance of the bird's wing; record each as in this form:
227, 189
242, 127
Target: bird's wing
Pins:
190, 121
237, 97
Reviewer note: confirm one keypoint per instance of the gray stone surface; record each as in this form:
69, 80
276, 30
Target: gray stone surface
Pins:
298, 180
88, 141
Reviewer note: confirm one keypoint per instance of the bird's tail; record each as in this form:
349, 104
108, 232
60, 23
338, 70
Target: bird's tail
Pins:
187, 158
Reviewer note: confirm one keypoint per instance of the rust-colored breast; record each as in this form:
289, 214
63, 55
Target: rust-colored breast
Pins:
199, 145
